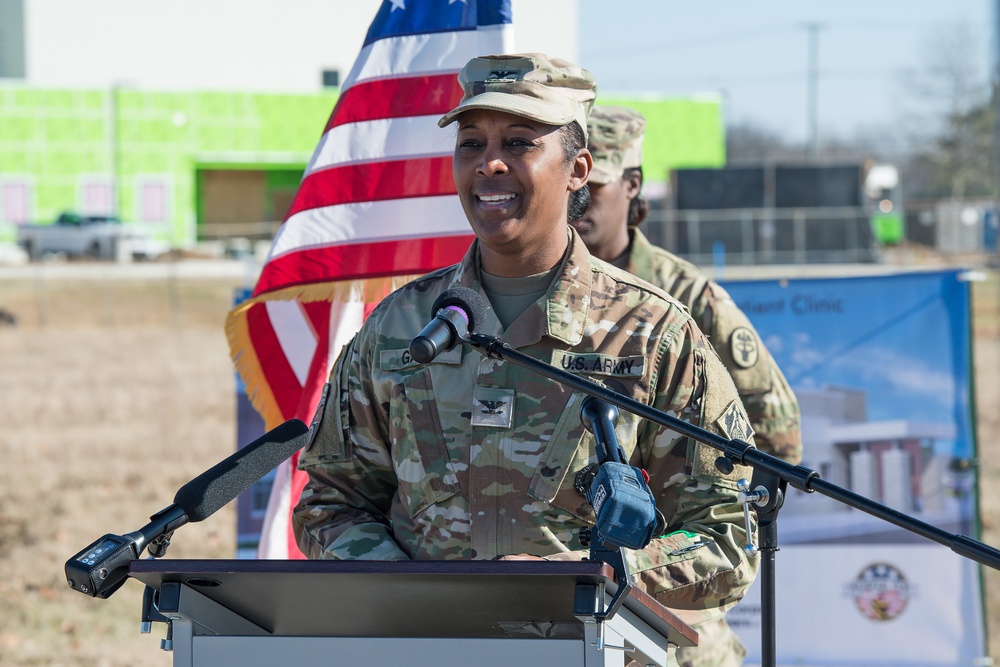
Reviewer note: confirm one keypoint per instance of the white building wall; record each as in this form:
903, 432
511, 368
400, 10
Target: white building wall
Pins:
897, 471
864, 476
934, 494
257, 45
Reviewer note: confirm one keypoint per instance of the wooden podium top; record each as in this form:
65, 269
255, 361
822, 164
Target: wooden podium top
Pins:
406, 598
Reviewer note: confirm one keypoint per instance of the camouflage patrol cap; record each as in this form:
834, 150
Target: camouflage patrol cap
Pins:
549, 90
615, 142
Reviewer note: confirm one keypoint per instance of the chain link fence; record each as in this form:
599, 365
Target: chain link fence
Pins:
756, 236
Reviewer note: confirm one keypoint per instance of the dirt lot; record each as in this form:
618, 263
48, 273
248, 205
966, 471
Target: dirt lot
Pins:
115, 393
125, 393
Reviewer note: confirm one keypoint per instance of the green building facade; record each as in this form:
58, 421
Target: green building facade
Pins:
189, 164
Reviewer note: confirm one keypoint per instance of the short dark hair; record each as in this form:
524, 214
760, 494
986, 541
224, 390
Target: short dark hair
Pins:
573, 141
579, 202
638, 208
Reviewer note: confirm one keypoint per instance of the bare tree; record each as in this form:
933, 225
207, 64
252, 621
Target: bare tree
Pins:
950, 124
750, 143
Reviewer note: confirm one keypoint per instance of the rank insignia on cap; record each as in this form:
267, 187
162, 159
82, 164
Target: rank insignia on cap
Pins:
505, 75
744, 347
735, 424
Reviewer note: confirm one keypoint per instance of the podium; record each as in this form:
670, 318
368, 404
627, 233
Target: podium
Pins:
441, 613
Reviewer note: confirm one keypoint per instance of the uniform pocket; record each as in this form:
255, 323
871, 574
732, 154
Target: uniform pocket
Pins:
420, 455
570, 450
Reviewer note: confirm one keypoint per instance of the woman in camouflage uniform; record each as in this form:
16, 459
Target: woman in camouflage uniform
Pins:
471, 458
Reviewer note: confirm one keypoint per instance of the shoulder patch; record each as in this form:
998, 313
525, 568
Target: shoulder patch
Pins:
735, 423
744, 347
318, 416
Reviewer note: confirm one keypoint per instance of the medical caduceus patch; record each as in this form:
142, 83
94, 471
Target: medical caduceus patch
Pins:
744, 347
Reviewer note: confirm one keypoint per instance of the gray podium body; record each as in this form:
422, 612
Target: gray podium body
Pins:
441, 613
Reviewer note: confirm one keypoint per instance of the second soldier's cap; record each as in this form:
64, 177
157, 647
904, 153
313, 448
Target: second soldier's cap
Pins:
549, 90
615, 142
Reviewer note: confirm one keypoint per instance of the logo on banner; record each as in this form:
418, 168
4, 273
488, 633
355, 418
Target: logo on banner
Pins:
881, 592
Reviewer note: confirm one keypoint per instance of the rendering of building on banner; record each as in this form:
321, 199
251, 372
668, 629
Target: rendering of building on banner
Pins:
904, 464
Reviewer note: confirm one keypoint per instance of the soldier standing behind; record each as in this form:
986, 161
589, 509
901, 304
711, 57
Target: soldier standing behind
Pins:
471, 458
610, 229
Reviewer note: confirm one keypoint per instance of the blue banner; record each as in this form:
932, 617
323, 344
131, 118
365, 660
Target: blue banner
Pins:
881, 366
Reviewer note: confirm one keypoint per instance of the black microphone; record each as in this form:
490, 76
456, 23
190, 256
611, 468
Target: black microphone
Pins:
101, 568
456, 312
211, 490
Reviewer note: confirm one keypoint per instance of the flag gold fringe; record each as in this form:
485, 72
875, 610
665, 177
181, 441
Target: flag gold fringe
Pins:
243, 354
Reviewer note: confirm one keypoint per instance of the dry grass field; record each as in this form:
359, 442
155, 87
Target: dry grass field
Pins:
114, 393
124, 393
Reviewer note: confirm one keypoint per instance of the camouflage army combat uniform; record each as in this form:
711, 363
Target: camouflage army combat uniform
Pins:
769, 401
472, 458
616, 137
770, 404
615, 140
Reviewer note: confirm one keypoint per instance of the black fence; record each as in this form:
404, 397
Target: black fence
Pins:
750, 236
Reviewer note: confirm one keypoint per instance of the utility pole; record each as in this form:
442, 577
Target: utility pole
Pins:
812, 87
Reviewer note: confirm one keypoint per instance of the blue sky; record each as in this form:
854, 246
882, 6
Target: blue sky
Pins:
755, 54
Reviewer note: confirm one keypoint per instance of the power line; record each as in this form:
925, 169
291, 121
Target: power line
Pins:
618, 51
783, 78
662, 45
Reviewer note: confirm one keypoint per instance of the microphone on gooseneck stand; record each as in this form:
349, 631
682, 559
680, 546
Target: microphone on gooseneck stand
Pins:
625, 511
455, 313
101, 568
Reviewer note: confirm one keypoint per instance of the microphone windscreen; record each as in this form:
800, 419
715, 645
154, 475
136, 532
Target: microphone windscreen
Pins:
217, 486
468, 300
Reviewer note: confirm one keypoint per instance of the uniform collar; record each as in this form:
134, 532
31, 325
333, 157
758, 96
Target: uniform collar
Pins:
562, 314
640, 252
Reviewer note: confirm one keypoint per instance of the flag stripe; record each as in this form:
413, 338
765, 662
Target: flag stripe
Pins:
374, 181
363, 260
425, 54
387, 139
363, 222
276, 532
295, 335
273, 366
395, 98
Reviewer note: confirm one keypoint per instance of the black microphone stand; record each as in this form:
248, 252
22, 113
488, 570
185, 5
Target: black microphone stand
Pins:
765, 491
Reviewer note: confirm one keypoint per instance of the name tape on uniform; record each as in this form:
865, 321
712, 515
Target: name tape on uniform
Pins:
593, 363
396, 360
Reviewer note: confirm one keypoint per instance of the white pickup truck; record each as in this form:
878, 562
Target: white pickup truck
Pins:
97, 236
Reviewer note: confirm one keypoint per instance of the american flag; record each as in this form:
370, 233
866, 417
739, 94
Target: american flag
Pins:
376, 205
